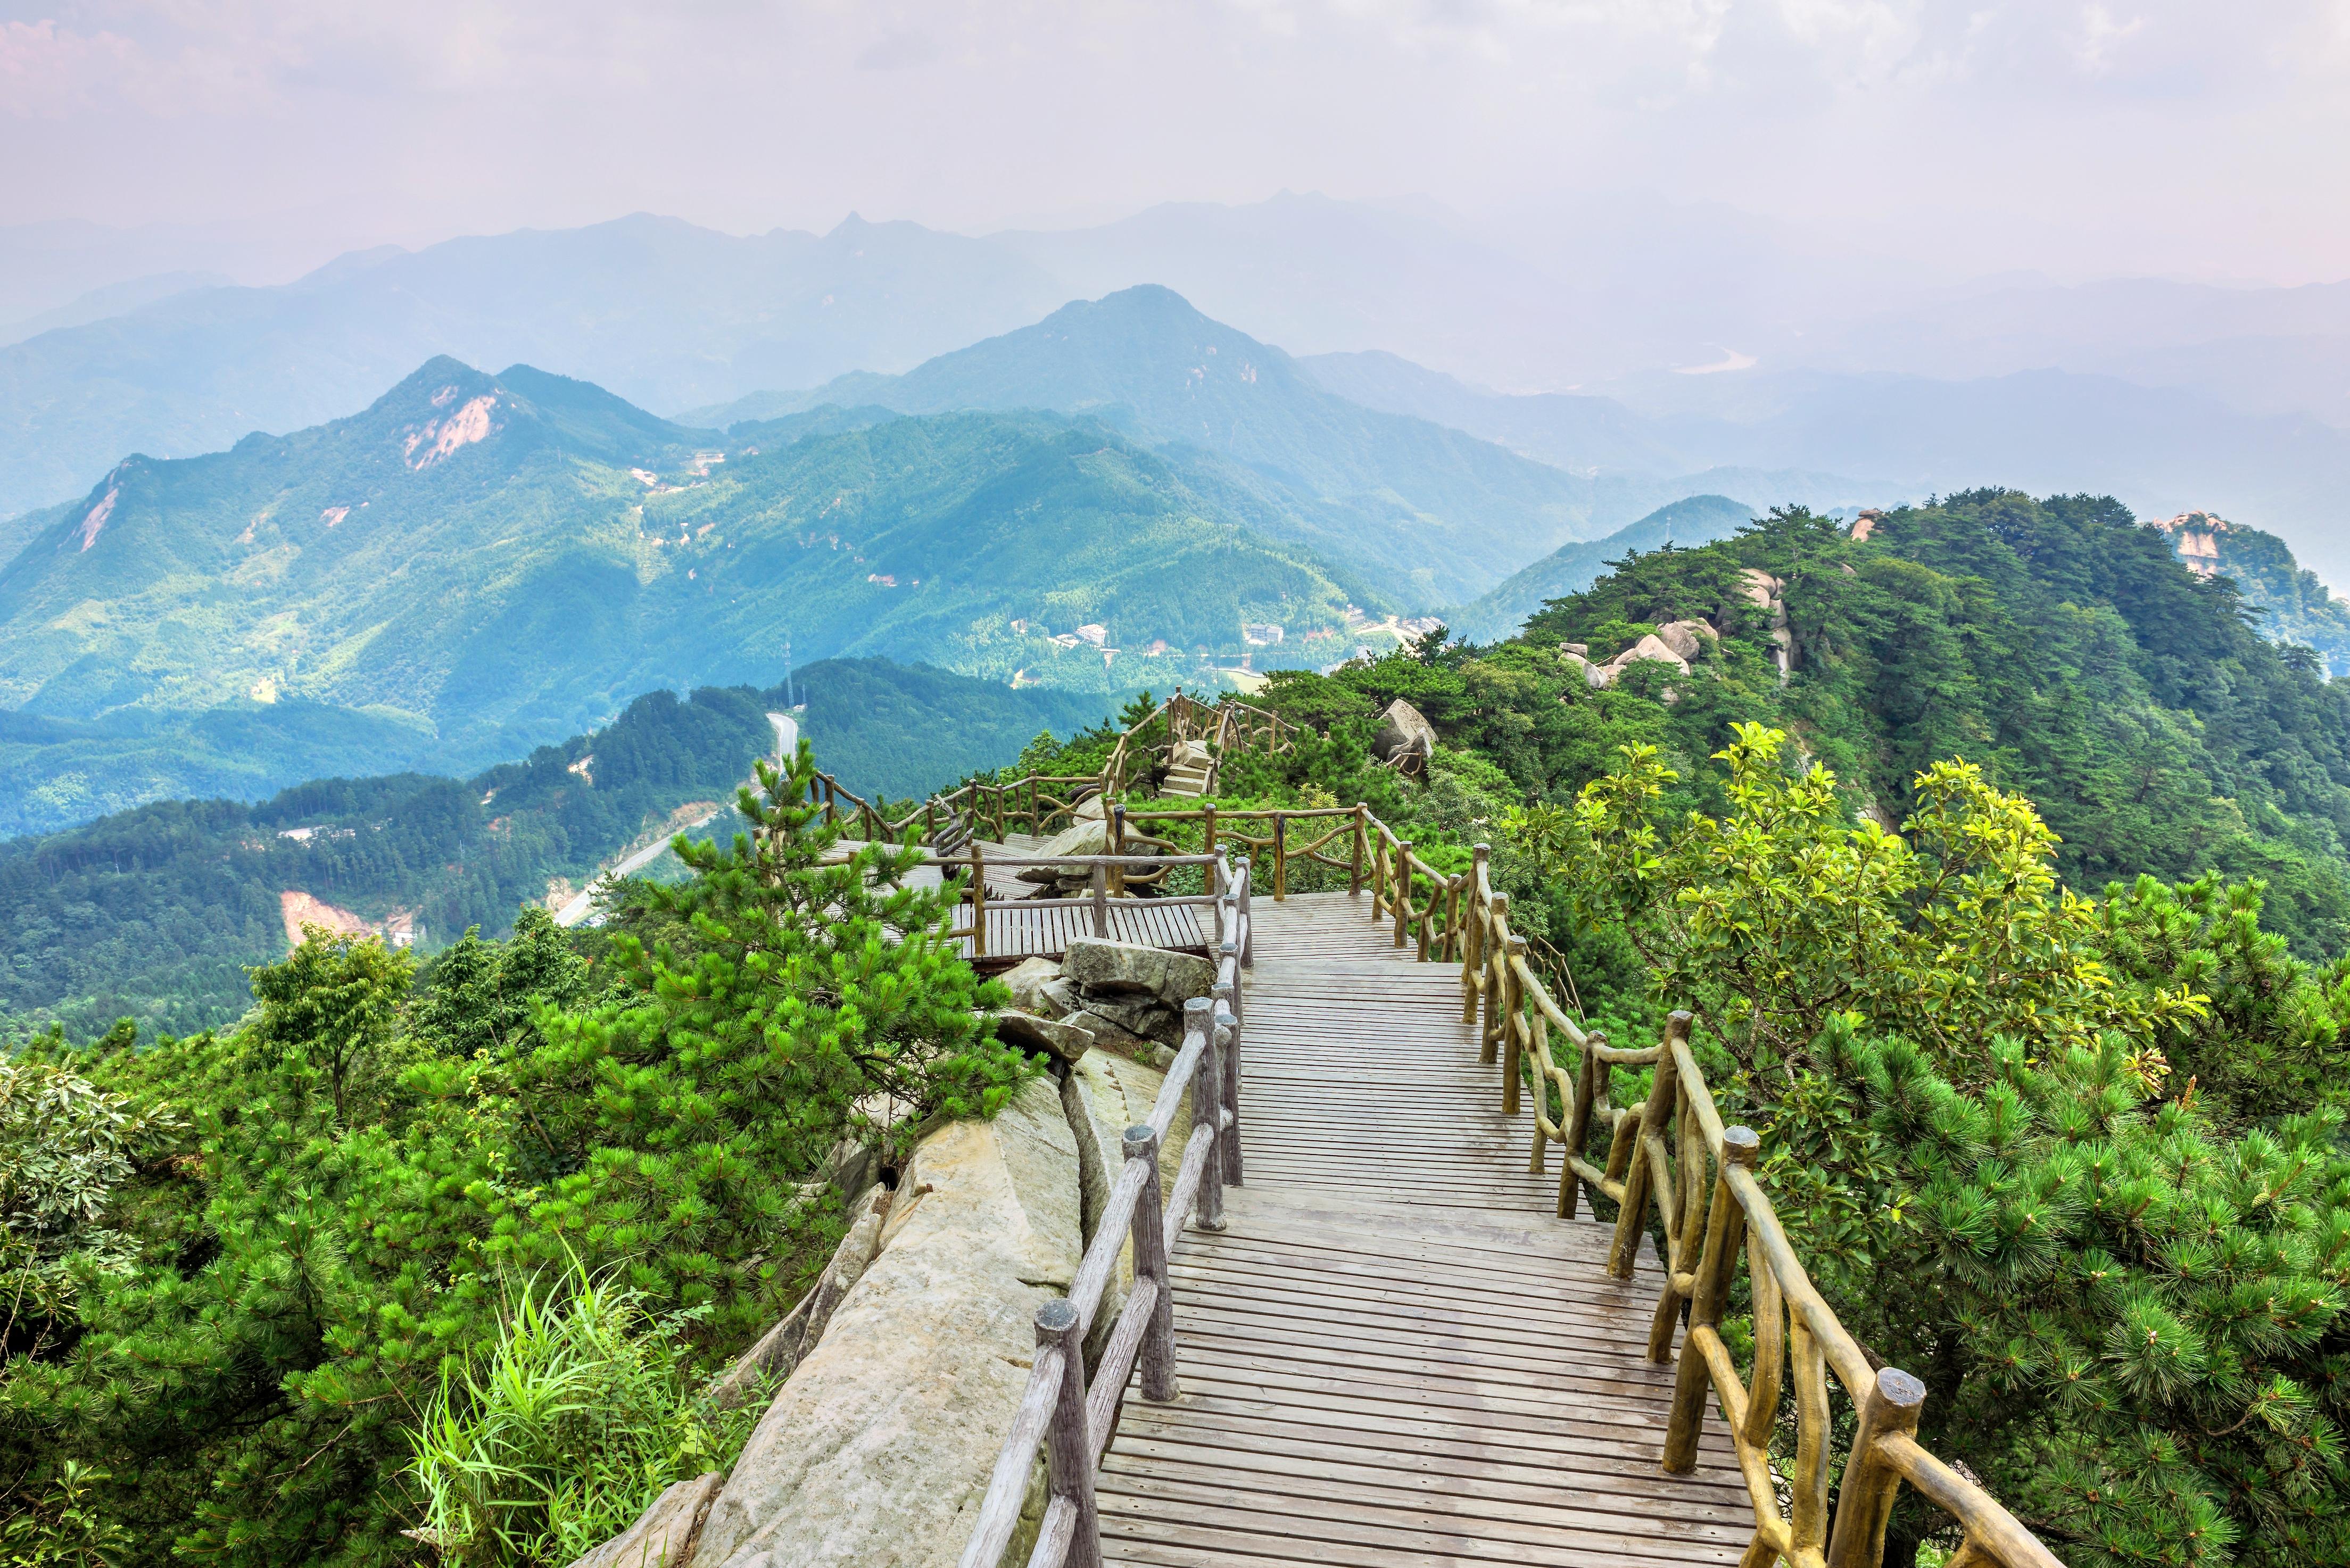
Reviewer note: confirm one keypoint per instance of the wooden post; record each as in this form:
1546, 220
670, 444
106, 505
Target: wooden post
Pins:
1512, 1052
978, 900
1069, 1446
1229, 1140
1248, 926
1725, 1240
999, 814
1656, 1113
1207, 1108
1473, 950
1117, 847
1210, 809
1219, 887
1401, 888
1227, 949
1355, 872
1101, 900
1590, 1073
1538, 1047
1501, 998
1425, 936
1280, 856
1149, 1235
1865, 1502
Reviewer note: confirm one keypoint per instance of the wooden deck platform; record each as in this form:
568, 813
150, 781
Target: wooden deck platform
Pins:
1395, 1354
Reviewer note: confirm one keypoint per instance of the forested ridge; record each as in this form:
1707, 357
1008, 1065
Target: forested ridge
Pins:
157, 913
2000, 858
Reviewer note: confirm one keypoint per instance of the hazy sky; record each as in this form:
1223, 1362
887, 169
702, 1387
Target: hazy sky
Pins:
2180, 136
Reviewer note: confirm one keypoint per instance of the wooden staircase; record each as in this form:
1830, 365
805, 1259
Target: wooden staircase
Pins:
1191, 770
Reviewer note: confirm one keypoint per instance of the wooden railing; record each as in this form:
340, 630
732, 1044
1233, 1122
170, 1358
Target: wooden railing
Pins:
1060, 1411
1041, 803
1671, 1154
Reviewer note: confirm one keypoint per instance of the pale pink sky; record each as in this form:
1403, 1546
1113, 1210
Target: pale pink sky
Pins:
2176, 137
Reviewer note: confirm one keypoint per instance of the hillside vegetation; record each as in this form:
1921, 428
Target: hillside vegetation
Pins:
156, 914
2003, 862
1571, 568
478, 565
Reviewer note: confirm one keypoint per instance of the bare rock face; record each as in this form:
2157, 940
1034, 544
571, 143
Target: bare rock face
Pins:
1685, 637
664, 1535
1145, 1017
1650, 648
1102, 967
1027, 980
878, 1448
1064, 1040
1402, 729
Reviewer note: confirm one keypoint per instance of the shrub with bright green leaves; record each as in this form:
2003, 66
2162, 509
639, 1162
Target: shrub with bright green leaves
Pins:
2130, 1323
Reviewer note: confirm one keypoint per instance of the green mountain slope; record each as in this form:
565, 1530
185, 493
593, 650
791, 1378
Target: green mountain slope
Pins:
156, 912
479, 564
1571, 568
2294, 606
1452, 513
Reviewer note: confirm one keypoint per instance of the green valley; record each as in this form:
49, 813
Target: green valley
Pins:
157, 913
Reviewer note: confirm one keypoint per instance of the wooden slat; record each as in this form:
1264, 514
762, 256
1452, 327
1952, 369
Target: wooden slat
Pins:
1395, 1354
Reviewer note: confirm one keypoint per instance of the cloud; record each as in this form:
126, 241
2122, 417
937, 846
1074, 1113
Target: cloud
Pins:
2056, 133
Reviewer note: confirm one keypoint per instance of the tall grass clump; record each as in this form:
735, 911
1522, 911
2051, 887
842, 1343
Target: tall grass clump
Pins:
562, 1431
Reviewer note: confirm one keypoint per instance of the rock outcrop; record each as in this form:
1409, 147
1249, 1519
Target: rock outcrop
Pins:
1403, 728
1137, 992
665, 1535
877, 1450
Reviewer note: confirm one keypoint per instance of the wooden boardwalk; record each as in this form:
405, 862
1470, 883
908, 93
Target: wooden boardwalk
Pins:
1395, 1354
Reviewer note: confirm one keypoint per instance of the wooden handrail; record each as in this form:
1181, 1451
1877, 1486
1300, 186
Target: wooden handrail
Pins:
1059, 1412
1671, 1154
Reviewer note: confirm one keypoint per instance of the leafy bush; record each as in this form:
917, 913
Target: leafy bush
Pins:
552, 1440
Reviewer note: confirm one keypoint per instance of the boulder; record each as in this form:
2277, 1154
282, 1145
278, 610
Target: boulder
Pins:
1099, 965
1064, 1041
1596, 674
1087, 835
1650, 648
1145, 1016
1026, 981
1685, 637
1056, 998
1581, 651
1402, 729
1109, 1036
1095, 807
664, 1535
878, 1448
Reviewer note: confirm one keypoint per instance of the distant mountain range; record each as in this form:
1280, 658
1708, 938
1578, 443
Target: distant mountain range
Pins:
478, 564
1443, 514
2171, 395
1496, 616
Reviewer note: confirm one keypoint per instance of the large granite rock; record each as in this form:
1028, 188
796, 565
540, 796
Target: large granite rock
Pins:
1144, 1017
1064, 1040
1402, 728
878, 1451
664, 1535
1028, 981
1111, 1036
1684, 638
1087, 835
1102, 967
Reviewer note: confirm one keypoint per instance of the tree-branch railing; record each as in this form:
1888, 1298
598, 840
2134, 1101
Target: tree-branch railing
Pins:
1670, 1154
1068, 1417
1041, 803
